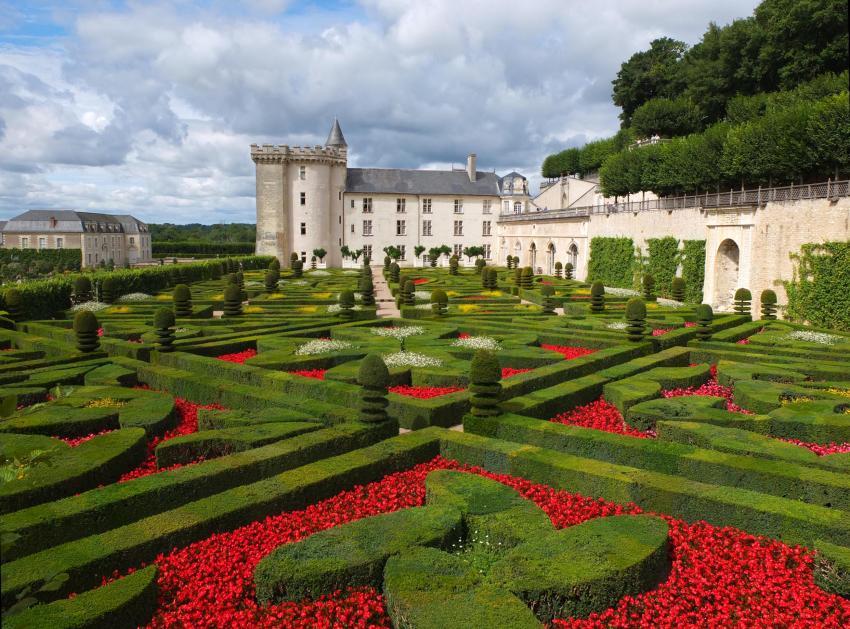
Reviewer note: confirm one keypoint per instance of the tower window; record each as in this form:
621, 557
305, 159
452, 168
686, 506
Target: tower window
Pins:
302, 173
303, 198
303, 229
486, 206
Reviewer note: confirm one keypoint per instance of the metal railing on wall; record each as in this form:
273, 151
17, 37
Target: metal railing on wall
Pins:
733, 198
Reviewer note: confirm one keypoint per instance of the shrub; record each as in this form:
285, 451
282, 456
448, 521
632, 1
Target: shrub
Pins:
14, 304
510, 262
271, 279
568, 271
480, 263
109, 290
636, 318
163, 323
527, 278
677, 289
558, 269
373, 378
232, 301
597, 298
313, 262
705, 315
82, 289
743, 300
394, 272
612, 261
648, 287
367, 290
484, 378
182, 297
818, 292
408, 294
346, 305
229, 279
274, 265
387, 263
85, 328
548, 301
768, 304
298, 269
517, 276
453, 262
439, 302
492, 278
293, 258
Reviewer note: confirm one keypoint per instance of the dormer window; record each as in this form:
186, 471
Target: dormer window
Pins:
53, 221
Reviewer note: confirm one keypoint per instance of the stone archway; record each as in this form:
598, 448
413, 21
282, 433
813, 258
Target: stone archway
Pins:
550, 259
532, 256
726, 265
572, 256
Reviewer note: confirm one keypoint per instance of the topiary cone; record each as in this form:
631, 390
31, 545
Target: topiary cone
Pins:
768, 305
439, 302
527, 278
705, 315
109, 290
14, 304
163, 323
346, 305
743, 301
485, 375
394, 272
232, 301
677, 289
274, 265
408, 294
373, 378
387, 263
182, 298
558, 269
548, 300
367, 291
636, 318
597, 298
271, 279
298, 269
82, 289
86, 327
453, 262
648, 284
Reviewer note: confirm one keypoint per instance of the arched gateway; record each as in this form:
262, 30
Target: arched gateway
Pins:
726, 266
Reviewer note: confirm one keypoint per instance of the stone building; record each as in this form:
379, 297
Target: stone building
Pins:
308, 198
100, 237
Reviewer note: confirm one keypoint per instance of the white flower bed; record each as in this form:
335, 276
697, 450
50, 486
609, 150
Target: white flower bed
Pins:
423, 306
617, 325
298, 282
133, 297
91, 306
411, 359
422, 294
334, 308
669, 303
351, 272
821, 338
621, 292
399, 333
319, 272
478, 342
321, 346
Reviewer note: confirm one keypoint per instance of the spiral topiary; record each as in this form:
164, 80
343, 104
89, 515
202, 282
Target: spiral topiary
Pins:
408, 294
485, 375
232, 301
636, 318
743, 301
229, 279
313, 262
480, 263
394, 272
163, 323
82, 289
182, 297
346, 305
85, 328
298, 269
387, 264
517, 276
768, 305
14, 304
705, 315
493, 278
293, 258
548, 300
510, 262
109, 290
677, 289
373, 378
597, 297
559, 268
648, 284
274, 265
568, 271
367, 291
271, 279
439, 302
453, 262
527, 278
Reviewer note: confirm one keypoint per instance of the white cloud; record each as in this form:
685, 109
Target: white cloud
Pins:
150, 108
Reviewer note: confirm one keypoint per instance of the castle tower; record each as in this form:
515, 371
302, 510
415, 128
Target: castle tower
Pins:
299, 192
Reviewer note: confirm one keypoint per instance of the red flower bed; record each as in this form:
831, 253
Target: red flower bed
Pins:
100, 332
709, 388
420, 280
568, 351
743, 342
507, 372
600, 415
318, 374
690, 324
822, 449
75, 441
660, 331
423, 393
187, 413
238, 357
720, 577
463, 335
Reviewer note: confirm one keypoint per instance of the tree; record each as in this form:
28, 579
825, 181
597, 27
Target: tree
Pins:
564, 163
345, 251
666, 117
648, 74
320, 253
473, 252
393, 252
356, 254
828, 130
418, 250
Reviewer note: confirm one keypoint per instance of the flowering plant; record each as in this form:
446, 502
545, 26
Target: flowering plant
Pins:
621, 292
478, 342
411, 359
399, 332
238, 357
333, 308
617, 325
134, 297
321, 346
568, 351
91, 306
318, 374
821, 338
423, 393
669, 303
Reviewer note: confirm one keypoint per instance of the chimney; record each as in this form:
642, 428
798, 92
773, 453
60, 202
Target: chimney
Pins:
470, 166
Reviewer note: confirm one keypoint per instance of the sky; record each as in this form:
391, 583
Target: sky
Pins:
149, 108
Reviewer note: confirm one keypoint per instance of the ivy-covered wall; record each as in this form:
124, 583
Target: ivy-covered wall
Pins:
612, 262
820, 290
662, 262
693, 269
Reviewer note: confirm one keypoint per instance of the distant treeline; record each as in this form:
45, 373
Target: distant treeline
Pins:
195, 232
178, 248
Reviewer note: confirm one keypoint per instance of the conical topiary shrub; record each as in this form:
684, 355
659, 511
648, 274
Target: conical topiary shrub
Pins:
229, 279
346, 305
14, 304
568, 271
559, 268
636, 318
743, 301
484, 384
439, 302
109, 290
517, 276
216, 270
297, 269
313, 262
648, 285
387, 264
705, 315
182, 297
597, 297
82, 290
85, 328
408, 293
677, 289
240, 281
271, 279
494, 279
373, 378
548, 299
293, 258
510, 262
394, 272
768, 305
274, 265
480, 263
527, 279
163, 323
232, 301
367, 291
453, 262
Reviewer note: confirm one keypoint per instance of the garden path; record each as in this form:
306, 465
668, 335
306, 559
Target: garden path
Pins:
383, 297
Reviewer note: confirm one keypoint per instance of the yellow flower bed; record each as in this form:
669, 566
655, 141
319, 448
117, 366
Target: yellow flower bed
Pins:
465, 308
837, 391
218, 297
106, 402
322, 295
452, 293
163, 297
492, 293
274, 296
119, 310
307, 309
252, 309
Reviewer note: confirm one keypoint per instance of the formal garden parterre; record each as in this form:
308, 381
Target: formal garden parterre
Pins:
234, 444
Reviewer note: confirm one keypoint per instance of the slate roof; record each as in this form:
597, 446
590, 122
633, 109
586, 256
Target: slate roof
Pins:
72, 221
401, 181
335, 137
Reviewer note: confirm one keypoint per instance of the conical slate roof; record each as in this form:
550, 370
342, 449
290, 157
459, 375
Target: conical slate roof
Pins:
335, 137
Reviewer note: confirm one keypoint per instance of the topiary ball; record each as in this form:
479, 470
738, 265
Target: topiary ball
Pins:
85, 328
109, 290
14, 304
82, 289
597, 297
635, 309
373, 378
677, 289
704, 315
485, 375
768, 304
274, 265
163, 318
743, 299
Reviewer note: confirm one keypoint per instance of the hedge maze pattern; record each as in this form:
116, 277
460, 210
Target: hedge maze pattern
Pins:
254, 447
